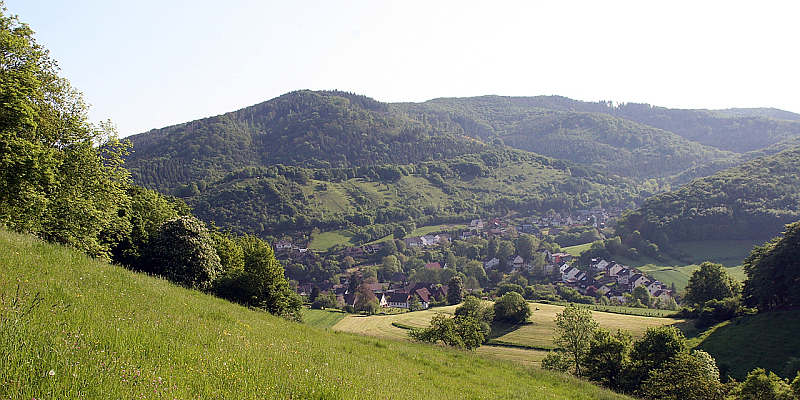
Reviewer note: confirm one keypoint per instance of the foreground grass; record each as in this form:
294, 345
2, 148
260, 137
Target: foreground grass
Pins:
71, 327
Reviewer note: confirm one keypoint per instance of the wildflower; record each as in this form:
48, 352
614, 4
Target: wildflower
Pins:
51, 373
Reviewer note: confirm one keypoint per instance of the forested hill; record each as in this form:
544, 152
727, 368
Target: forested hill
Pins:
753, 200
303, 128
372, 200
615, 145
737, 130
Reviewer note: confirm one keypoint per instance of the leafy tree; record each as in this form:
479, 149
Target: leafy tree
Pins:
657, 346
414, 303
761, 385
399, 232
261, 283
710, 282
527, 246
366, 300
575, 328
314, 294
459, 331
686, 376
607, 357
324, 301
182, 251
60, 176
231, 255
475, 308
772, 269
504, 250
511, 308
641, 294
455, 290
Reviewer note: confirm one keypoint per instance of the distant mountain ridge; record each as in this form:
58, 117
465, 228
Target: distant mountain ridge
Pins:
304, 128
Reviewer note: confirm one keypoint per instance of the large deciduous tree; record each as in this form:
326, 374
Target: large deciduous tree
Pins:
575, 328
455, 290
772, 271
182, 251
61, 177
511, 308
710, 282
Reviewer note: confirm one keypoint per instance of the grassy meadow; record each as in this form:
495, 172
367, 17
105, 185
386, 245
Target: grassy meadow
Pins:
72, 327
767, 340
526, 343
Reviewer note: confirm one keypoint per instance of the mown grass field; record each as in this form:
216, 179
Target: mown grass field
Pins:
71, 327
533, 338
322, 319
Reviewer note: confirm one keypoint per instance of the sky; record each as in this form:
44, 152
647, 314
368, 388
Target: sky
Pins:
147, 64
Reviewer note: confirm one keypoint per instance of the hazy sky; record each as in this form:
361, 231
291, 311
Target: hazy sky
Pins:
147, 64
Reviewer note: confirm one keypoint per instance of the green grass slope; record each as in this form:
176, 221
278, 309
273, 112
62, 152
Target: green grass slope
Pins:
767, 340
71, 327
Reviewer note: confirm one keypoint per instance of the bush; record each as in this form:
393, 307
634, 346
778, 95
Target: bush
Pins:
182, 251
511, 308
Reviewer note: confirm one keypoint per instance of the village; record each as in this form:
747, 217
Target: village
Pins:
605, 281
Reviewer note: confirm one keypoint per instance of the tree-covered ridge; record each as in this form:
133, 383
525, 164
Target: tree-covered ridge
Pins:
609, 143
769, 112
305, 128
271, 200
753, 200
737, 130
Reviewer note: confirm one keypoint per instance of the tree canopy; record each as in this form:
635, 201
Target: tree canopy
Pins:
772, 271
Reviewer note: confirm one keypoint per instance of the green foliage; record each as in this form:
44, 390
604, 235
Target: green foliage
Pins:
60, 176
182, 251
475, 308
607, 357
575, 328
459, 331
710, 282
511, 308
761, 385
686, 376
772, 271
753, 200
366, 301
109, 333
455, 290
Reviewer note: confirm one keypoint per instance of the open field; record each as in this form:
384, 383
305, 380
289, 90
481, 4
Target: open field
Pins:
537, 334
72, 327
324, 240
322, 319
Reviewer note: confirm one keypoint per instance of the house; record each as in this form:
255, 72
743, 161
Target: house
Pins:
468, 234
428, 240
373, 248
355, 252
476, 224
398, 277
382, 300
435, 265
571, 273
413, 242
599, 265
638, 280
655, 286
558, 258
514, 262
490, 262
662, 294
615, 269
398, 300
283, 245
425, 297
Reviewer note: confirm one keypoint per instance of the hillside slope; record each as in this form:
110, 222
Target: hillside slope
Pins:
767, 340
303, 128
753, 200
272, 200
604, 141
73, 327
737, 130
